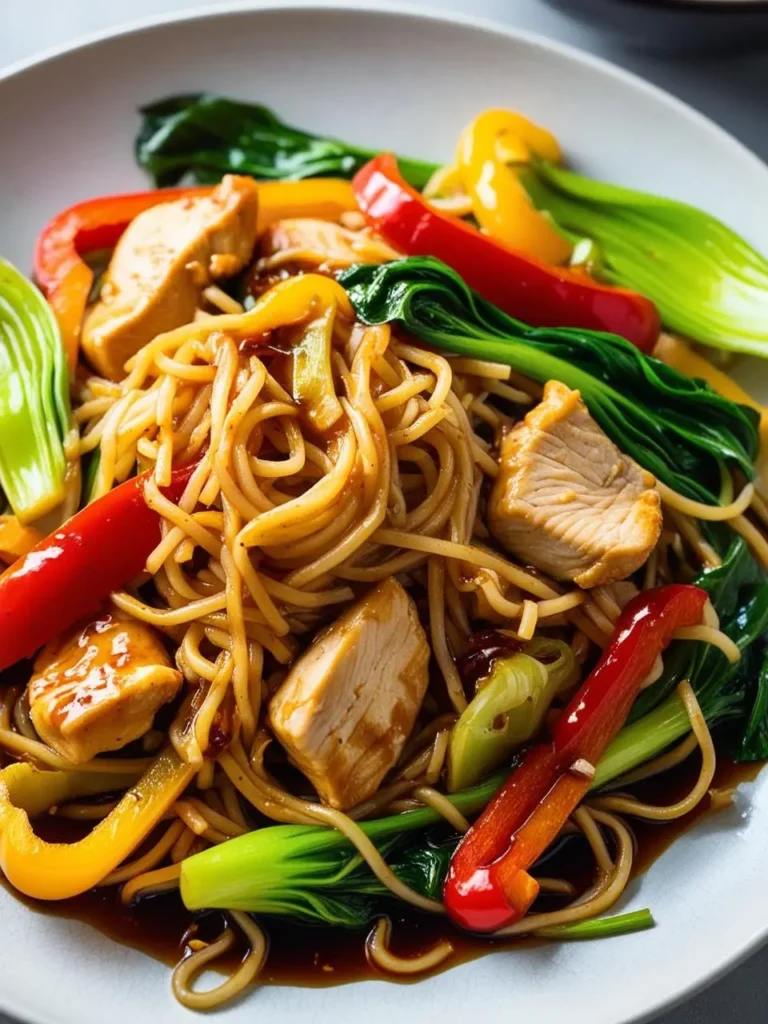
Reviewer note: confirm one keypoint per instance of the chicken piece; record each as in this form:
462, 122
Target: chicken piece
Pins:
321, 244
99, 686
567, 501
162, 263
345, 709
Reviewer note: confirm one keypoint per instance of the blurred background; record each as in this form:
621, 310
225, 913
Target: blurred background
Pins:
711, 53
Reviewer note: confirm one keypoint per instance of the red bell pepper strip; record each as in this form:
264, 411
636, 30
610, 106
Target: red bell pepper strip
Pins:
524, 287
96, 224
68, 575
488, 885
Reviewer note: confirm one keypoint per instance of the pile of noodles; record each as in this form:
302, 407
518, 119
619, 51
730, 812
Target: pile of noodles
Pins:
279, 527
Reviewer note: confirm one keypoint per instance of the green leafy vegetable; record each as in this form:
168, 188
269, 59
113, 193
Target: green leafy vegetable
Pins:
34, 398
676, 427
753, 744
335, 888
724, 692
708, 283
207, 136
602, 927
724, 585
313, 873
90, 466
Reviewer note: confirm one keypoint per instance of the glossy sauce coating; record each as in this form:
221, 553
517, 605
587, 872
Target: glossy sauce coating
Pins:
98, 687
318, 957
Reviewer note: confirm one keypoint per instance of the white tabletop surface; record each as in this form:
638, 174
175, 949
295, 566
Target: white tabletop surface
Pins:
731, 89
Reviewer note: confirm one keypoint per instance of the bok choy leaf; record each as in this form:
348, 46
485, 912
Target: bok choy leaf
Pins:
725, 692
725, 585
34, 399
313, 873
707, 282
677, 427
205, 137
602, 927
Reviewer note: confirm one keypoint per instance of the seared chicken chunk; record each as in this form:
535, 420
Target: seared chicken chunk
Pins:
567, 501
344, 711
320, 244
99, 686
162, 263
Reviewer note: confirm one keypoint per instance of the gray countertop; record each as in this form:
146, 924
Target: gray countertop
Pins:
731, 89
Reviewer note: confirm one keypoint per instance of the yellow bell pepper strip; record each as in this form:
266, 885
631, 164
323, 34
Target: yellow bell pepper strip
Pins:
324, 198
16, 540
499, 202
680, 356
58, 871
298, 299
35, 791
97, 224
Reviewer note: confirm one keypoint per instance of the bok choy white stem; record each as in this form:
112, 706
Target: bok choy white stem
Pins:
34, 399
708, 283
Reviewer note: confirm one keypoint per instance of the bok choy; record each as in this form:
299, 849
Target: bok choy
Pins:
34, 399
313, 874
735, 694
707, 282
508, 709
204, 137
677, 427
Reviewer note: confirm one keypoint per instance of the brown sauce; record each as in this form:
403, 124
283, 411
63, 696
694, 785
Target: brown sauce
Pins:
321, 957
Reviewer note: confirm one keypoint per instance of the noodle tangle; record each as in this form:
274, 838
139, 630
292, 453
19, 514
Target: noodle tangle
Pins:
295, 502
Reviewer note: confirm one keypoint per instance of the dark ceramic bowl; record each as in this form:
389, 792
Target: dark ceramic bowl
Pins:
677, 25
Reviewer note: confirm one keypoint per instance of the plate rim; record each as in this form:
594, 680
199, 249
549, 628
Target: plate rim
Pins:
397, 8
536, 40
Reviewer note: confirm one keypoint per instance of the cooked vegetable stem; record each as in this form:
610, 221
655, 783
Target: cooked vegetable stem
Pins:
34, 399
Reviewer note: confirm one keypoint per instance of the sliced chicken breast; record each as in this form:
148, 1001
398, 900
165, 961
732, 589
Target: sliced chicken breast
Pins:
567, 500
347, 706
162, 263
99, 686
323, 245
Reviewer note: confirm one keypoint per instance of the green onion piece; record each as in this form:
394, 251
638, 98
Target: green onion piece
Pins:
708, 283
507, 710
91, 465
34, 399
602, 927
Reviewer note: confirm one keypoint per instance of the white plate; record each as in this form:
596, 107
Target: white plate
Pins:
409, 81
